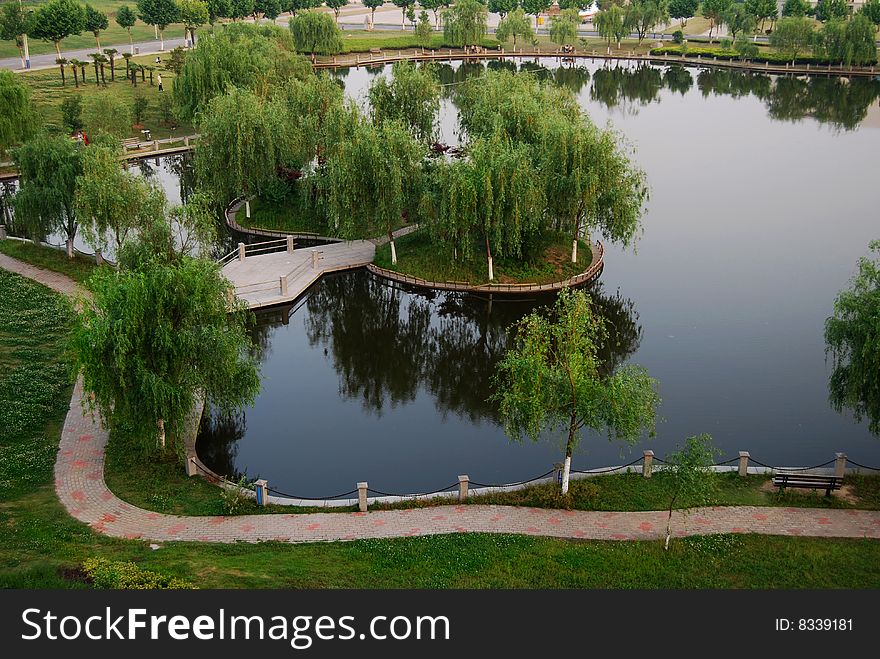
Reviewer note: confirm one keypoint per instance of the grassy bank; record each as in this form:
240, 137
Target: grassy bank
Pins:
79, 268
418, 256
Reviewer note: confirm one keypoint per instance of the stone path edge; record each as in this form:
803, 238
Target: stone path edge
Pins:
82, 490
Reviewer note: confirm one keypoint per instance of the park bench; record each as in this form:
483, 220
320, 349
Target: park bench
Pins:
375, 51
130, 143
809, 481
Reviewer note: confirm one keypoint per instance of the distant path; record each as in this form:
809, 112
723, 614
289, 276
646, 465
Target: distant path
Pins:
80, 485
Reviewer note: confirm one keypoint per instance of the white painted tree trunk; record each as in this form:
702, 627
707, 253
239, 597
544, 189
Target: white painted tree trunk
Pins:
574, 251
162, 40
247, 209
393, 254
161, 425
70, 248
491, 270
566, 472
27, 53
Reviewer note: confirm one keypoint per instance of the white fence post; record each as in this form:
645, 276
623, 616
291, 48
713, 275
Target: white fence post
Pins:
744, 463
261, 487
241, 251
463, 484
362, 497
839, 464
191, 469
649, 463
289, 243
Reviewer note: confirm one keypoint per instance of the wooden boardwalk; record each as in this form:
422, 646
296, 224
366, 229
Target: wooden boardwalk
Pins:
269, 278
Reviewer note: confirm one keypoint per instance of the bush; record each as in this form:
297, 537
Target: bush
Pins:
139, 108
726, 44
119, 575
235, 496
71, 113
677, 36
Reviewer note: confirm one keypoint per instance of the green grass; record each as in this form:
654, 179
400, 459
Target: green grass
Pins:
42, 546
79, 268
418, 256
48, 93
356, 41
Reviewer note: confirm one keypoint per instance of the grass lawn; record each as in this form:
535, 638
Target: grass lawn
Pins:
419, 257
41, 544
79, 268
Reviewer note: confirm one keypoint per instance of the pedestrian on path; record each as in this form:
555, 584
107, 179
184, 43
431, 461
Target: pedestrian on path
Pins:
159, 80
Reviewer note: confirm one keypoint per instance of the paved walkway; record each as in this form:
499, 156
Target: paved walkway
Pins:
54, 280
79, 482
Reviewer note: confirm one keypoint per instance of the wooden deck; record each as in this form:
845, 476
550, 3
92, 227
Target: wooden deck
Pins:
266, 279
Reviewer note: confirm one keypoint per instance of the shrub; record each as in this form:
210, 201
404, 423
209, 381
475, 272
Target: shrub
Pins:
235, 496
71, 113
677, 36
726, 44
139, 108
119, 575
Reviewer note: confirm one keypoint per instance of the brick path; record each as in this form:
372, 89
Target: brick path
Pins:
54, 280
79, 482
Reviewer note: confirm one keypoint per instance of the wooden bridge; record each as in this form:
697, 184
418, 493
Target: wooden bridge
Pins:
273, 272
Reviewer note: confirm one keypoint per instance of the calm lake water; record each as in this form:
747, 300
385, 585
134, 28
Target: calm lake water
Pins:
764, 195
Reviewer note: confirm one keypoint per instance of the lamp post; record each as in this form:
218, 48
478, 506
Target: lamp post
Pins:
27, 55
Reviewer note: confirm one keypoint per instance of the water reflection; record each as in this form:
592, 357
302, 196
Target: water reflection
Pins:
393, 348
619, 85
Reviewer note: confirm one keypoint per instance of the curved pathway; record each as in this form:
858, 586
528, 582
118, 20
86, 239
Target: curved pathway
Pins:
79, 483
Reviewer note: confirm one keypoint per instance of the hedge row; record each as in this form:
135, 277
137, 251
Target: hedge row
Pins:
726, 54
128, 576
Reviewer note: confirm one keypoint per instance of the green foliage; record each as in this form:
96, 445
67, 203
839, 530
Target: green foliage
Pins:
139, 107
14, 24
243, 140
412, 98
271, 9
119, 575
860, 41
126, 18
689, 470
234, 496
792, 36
552, 380
464, 24
871, 10
564, 27
612, 24
852, 335
104, 112
683, 9
336, 5
796, 8
48, 167
316, 33
158, 333
71, 112
678, 37
714, 10
16, 111
828, 10
759, 10
535, 7
192, 13
738, 21
241, 56
217, 9
296, 6
240, 9
643, 15
160, 13
502, 7
424, 30
56, 20
95, 22
746, 48
515, 25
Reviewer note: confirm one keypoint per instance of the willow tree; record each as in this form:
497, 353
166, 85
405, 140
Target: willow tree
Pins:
48, 167
373, 180
591, 183
852, 335
316, 33
552, 382
243, 140
16, 111
464, 24
494, 198
109, 199
316, 118
515, 25
412, 98
612, 25
564, 27
158, 334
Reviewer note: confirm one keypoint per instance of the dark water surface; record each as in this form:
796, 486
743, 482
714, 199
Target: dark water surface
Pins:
764, 195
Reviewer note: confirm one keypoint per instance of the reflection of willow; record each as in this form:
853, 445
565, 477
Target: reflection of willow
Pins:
678, 79
842, 104
614, 85
387, 343
219, 435
181, 166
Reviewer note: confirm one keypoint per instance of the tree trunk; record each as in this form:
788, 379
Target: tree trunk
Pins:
63, 80
58, 48
574, 243
21, 54
393, 249
75, 77
489, 258
99, 258
161, 39
69, 248
569, 449
97, 80
112, 70
98, 41
247, 208
103, 79
130, 44
160, 423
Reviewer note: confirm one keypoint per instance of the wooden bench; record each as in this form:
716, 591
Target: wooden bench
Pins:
809, 481
375, 51
130, 143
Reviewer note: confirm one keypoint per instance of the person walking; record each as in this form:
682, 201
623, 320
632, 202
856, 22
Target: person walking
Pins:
159, 80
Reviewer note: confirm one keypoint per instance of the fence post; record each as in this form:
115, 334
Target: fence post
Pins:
191, 469
2, 232
744, 463
557, 471
649, 463
261, 487
362, 497
839, 464
289, 243
283, 283
241, 251
463, 484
